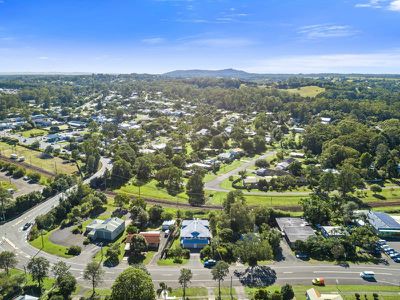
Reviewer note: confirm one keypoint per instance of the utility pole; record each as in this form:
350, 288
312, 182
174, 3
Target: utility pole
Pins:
230, 291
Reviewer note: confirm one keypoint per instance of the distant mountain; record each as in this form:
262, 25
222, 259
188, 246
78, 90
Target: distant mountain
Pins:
226, 73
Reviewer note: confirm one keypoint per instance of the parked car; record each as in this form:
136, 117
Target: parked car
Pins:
302, 256
396, 259
381, 242
26, 226
394, 254
209, 263
318, 281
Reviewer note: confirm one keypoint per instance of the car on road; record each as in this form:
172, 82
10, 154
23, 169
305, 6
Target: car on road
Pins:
210, 263
302, 256
367, 275
26, 226
318, 281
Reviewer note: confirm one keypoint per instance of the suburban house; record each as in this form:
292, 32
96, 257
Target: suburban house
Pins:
167, 224
313, 294
195, 234
385, 225
26, 297
295, 229
333, 231
226, 157
107, 230
250, 182
152, 238
284, 165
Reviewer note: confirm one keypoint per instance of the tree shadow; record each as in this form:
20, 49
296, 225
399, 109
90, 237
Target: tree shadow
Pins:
380, 197
257, 276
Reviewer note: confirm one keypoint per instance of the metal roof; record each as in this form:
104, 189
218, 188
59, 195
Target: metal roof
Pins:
381, 220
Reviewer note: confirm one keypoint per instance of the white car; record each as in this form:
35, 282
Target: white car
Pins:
367, 275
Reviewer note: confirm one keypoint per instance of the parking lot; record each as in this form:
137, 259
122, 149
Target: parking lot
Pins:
23, 187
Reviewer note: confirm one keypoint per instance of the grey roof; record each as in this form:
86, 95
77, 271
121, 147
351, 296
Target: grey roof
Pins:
295, 229
380, 220
195, 229
110, 224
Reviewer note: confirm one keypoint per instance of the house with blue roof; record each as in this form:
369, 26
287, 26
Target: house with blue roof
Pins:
195, 234
385, 225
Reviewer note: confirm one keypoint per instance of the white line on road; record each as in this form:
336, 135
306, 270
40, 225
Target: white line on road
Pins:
287, 272
347, 272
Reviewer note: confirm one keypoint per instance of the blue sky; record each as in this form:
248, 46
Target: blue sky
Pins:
155, 36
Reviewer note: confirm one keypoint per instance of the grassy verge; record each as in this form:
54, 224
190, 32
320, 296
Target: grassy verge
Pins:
170, 262
306, 91
99, 256
191, 292
50, 247
347, 291
225, 292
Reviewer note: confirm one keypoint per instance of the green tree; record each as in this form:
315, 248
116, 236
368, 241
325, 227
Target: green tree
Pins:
219, 272
133, 284
121, 200
66, 285
251, 249
375, 188
8, 260
315, 210
348, 179
184, 279
138, 245
327, 182
195, 189
94, 273
38, 267
287, 292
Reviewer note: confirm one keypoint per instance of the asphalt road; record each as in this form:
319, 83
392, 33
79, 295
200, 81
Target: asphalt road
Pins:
294, 272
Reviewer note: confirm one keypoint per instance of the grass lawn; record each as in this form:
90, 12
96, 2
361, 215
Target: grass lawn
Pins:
50, 247
149, 257
7, 185
306, 91
152, 191
218, 197
99, 292
33, 132
347, 291
387, 195
225, 292
191, 292
33, 157
47, 282
170, 262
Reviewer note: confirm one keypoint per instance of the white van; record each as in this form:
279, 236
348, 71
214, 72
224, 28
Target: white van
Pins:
367, 274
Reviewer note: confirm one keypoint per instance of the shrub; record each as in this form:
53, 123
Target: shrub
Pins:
86, 241
262, 163
76, 230
231, 178
74, 250
178, 260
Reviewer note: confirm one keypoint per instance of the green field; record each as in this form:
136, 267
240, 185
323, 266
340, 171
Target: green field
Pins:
50, 247
170, 262
347, 291
33, 157
306, 91
33, 132
151, 190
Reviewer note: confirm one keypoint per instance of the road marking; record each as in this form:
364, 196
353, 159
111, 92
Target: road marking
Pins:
10, 243
287, 272
347, 272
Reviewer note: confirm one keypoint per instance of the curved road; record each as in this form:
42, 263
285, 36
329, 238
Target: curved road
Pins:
295, 272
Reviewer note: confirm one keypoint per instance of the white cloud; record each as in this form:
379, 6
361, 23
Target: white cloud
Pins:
153, 41
43, 58
326, 31
395, 5
371, 4
379, 62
